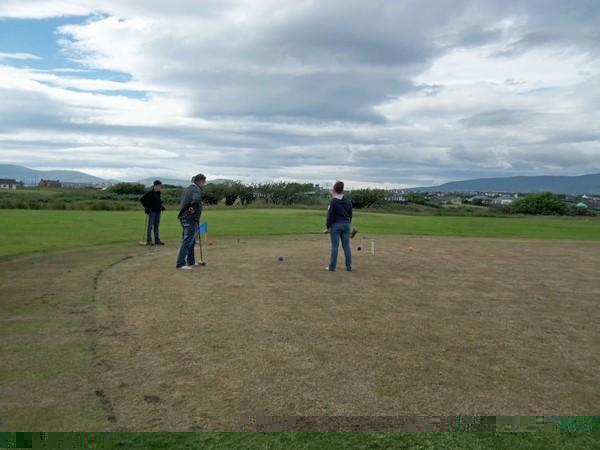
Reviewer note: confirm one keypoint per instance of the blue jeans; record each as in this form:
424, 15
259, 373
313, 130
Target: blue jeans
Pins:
188, 242
340, 231
153, 223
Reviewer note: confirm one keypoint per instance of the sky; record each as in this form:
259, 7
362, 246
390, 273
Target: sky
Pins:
377, 93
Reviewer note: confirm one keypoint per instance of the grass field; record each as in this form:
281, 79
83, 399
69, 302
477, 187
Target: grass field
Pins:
307, 441
98, 333
47, 230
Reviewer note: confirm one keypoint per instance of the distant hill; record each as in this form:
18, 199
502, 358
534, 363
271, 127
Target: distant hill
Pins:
32, 177
577, 185
174, 182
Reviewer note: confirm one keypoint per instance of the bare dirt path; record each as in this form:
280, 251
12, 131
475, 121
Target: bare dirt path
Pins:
455, 326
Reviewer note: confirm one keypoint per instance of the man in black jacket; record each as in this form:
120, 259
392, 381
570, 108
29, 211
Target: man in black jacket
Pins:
153, 206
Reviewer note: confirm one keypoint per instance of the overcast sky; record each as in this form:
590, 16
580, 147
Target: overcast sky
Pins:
379, 93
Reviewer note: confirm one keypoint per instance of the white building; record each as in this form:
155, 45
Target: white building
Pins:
504, 200
7, 183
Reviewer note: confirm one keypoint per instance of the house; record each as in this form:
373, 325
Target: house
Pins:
8, 183
49, 183
588, 202
593, 203
396, 198
481, 200
503, 200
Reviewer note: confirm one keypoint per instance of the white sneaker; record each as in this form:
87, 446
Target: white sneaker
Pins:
186, 268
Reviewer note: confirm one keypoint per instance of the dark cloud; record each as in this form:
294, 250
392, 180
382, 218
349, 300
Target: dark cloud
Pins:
357, 32
348, 96
497, 118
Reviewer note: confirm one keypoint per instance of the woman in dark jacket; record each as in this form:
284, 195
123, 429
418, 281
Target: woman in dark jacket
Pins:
339, 218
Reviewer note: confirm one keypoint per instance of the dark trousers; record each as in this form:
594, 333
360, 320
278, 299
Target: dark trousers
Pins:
153, 224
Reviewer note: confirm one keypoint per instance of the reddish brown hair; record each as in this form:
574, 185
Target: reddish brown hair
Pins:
338, 187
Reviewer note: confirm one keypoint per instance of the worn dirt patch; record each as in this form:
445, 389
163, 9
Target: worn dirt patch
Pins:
455, 326
469, 326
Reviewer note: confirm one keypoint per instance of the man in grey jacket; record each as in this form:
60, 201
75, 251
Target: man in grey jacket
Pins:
190, 210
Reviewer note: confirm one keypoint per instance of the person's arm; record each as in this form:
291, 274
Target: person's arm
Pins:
350, 211
144, 201
195, 204
184, 203
329, 220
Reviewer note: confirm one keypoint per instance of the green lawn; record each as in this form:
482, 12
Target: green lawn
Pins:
303, 440
26, 231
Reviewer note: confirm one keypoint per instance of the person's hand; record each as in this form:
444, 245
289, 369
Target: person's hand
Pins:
191, 210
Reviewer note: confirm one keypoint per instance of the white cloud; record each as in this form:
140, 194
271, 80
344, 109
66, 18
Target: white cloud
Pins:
43, 9
19, 56
383, 92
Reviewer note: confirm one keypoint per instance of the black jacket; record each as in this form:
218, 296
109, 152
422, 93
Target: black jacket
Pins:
152, 202
339, 211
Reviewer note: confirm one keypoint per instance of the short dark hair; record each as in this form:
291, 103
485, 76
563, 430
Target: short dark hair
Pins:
338, 187
156, 182
198, 178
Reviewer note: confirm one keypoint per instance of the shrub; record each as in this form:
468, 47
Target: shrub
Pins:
367, 198
543, 203
128, 189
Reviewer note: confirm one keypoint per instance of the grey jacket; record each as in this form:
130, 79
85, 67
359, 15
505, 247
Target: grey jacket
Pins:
191, 197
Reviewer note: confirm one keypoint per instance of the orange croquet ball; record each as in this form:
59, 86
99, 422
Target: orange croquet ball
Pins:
410, 249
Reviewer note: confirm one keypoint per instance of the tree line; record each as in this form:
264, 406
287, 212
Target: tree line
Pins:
306, 194
125, 196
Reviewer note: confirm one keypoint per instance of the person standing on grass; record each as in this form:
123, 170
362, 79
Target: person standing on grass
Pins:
339, 218
153, 206
190, 210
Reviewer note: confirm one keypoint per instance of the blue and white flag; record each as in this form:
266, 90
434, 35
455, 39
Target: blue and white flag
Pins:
203, 228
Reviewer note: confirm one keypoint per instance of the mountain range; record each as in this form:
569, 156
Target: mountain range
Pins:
31, 177
582, 184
